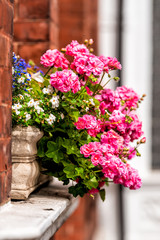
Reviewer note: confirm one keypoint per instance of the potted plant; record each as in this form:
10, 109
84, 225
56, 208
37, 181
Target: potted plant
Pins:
90, 132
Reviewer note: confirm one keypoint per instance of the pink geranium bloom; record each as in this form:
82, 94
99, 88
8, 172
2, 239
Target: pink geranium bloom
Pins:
112, 138
113, 63
90, 148
111, 101
74, 49
54, 58
128, 96
110, 63
87, 64
65, 81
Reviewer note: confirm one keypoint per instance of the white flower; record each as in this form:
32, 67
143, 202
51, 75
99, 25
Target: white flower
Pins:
51, 116
37, 76
51, 119
45, 91
62, 115
28, 76
36, 104
30, 103
48, 90
21, 80
55, 102
28, 116
20, 96
39, 110
92, 102
16, 106
12, 70
17, 112
87, 108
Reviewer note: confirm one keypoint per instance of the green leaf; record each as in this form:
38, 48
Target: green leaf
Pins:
79, 172
102, 194
78, 189
59, 141
71, 147
70, 171
54, 152
91, 183
41, 146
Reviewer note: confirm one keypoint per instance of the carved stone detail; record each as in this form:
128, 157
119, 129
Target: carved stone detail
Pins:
26, 176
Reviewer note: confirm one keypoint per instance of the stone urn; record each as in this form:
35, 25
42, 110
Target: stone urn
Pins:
26, 176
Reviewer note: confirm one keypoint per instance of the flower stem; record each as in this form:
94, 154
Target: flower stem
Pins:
98, 84
48, 70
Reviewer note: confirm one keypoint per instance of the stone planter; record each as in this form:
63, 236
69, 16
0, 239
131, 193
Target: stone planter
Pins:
26, 176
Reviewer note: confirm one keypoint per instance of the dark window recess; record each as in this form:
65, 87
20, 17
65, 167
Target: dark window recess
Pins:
156, 87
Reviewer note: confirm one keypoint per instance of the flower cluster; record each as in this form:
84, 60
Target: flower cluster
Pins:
91, 132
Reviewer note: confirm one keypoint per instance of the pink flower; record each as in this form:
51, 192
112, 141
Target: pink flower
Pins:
134, 129
94, 65
87, 64
112, 138
129, 179
88, 91
128, 95
131, 152
117, 121
105, 62
111, 100
91, 121
97, 158
93, 191
65, 81
80, 124
90, 148
110, 63
54, 58
113, 63
74, 49
113, 167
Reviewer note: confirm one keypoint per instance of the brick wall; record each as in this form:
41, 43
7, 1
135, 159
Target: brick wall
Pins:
6, 18
35, 27
77, 21
82, 223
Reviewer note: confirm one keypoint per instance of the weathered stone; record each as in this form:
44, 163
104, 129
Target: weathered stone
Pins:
26, 176
38, 217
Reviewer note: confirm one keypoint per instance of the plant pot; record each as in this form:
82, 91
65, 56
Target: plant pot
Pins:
26, 176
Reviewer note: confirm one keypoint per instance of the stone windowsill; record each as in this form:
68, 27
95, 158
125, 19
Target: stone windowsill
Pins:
38, 217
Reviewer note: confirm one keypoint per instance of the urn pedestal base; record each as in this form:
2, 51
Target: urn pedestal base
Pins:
26, 176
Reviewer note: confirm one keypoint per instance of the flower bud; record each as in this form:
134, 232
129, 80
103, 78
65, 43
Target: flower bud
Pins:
90, 41
91, 50
143, 140
86, 41
63, 50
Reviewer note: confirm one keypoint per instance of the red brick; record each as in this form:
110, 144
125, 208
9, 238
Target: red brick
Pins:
54, 11
5, 86
2, 187
6, 17
6, 51
8, 182
34, 9
31, 31
5, 156
81, 225
54, 35
71, 7
5, 121
33, 51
